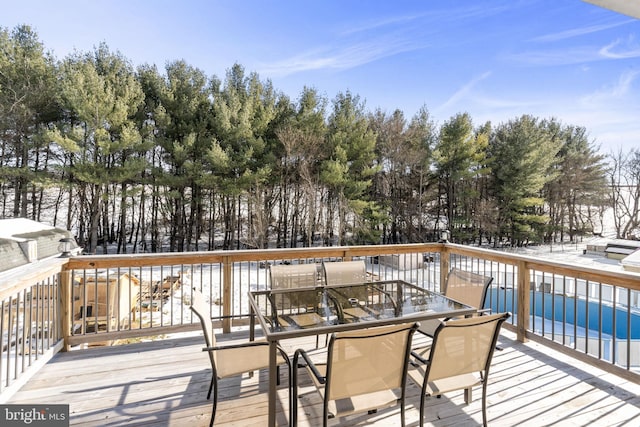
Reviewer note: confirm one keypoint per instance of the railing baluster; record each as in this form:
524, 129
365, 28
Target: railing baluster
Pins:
227, 302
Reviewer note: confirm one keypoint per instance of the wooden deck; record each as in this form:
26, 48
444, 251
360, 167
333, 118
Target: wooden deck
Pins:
164, 383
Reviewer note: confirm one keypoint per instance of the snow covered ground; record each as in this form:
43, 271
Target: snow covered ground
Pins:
573, 254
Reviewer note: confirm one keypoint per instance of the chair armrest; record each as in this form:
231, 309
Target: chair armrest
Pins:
482, 311
419, 358
243, 345
393, 301
310, 364
336, 305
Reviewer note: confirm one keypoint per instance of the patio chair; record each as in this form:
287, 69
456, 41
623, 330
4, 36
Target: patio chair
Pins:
350, 273
458, 358
465, 287
233, 359
301, 308
365, 370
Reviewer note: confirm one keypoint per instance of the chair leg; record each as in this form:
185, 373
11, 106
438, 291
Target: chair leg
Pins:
290, 392
293, 391
484, 404
423, 396
210, 387
215, 404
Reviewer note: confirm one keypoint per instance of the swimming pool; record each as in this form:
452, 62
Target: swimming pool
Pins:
577, 322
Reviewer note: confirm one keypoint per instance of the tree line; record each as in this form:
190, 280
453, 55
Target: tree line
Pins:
175, 160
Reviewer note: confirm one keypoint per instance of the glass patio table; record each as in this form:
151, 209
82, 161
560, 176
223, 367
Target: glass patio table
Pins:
299, 312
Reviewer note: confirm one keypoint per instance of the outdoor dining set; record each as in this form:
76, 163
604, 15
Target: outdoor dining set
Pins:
368, 325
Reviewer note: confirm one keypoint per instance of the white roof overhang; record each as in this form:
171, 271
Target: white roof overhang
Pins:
626, 7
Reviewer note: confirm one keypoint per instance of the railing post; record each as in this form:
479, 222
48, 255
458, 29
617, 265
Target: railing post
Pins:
523, 301
66, 306
227, 284
445, 261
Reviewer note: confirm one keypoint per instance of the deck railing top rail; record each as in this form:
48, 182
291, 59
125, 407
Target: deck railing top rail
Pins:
135, 260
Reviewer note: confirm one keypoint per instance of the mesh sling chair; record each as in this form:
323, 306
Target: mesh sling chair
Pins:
300, 309
465, 287
349, 273
366, 370
231, 360
458, 358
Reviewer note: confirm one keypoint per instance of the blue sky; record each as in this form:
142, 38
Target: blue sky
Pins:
495, 59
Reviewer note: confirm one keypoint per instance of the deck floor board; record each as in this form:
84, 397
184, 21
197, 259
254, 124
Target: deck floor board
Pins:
164, 383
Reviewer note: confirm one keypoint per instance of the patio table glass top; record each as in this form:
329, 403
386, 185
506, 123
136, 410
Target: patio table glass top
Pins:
299, 310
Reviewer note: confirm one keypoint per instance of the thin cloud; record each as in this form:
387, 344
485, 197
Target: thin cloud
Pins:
376, 25
617, 91
576, 55
400, 34
621, 49
347, 57
473, 13
463, 91
433, 17
576, 32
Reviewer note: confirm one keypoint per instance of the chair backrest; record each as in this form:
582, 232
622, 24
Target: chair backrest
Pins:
202, 310
464, 346
467, 288
345, 272
293, 276
368, 360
